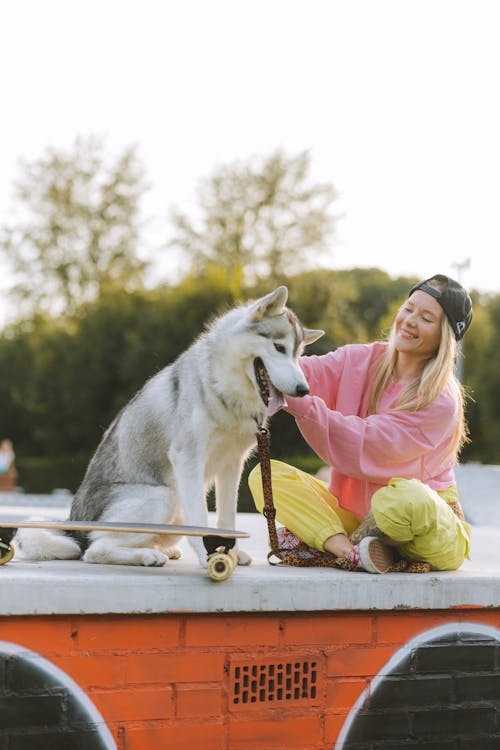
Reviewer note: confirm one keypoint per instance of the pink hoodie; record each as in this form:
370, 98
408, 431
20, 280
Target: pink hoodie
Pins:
365, 452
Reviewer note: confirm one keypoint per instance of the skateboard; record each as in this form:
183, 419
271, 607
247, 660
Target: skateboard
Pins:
219, 543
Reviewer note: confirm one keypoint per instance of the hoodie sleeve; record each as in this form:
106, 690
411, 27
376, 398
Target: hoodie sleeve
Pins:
323, 374
380, 446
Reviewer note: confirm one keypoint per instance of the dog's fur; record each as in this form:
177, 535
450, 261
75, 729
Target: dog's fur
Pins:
191, 425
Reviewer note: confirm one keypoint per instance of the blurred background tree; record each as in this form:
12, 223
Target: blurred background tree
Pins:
78, 227
258, 219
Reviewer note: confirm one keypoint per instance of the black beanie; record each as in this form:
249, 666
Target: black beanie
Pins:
454, 300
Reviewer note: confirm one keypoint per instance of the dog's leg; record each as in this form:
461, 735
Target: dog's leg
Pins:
137, 504
227, 482
189, 470
123, 549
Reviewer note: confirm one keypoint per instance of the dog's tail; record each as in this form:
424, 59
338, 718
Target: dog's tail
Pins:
45, 544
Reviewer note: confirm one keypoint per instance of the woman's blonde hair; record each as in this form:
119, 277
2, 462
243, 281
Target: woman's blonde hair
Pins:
437, 375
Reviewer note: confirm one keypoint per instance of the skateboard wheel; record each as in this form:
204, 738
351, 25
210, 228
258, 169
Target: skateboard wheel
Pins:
220, 566
6, 553
234, 556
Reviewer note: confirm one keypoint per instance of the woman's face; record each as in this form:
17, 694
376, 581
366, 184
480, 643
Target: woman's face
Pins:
418, 325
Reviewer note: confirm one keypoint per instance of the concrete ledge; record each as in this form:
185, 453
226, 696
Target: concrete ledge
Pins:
73, 587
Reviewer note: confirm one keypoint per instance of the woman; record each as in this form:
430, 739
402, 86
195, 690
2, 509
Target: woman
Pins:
388, 418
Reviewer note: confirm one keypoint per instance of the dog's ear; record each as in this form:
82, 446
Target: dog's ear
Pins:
271, 304
312, 334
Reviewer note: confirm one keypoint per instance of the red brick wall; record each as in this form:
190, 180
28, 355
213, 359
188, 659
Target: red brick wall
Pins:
165, 680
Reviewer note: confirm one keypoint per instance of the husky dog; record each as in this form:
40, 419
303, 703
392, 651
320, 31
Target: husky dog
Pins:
191, 425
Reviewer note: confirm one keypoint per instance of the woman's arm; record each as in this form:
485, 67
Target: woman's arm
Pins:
379, 446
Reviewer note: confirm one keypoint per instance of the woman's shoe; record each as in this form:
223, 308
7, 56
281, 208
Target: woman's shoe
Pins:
374, 555
371, 555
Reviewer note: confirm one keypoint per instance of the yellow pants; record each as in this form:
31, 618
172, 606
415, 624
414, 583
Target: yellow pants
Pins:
407, 511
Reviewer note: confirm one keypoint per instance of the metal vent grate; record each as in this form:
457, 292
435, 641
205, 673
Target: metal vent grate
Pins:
273, 682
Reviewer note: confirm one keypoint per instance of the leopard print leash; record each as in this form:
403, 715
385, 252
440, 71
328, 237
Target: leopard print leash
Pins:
300, 556
277, 555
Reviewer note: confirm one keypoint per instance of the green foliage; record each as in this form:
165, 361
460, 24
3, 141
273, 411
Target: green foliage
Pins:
44, 475
65, 379
481, 374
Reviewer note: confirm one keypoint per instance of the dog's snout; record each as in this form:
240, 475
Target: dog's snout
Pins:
301, 390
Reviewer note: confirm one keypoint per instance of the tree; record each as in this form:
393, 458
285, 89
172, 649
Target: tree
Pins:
263, 217
480, 364
79, 226
64, 378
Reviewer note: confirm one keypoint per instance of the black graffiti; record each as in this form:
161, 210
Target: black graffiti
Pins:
41, 707
441, 693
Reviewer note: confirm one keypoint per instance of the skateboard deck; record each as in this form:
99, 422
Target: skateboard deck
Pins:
219, 543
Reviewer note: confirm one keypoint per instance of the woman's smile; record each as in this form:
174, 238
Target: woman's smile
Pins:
418, 325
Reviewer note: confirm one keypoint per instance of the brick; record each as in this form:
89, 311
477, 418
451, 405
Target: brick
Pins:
92, 671
358, 661
455, 657
407, 691
467, 634
32, 673
333, 725
399, 627
479, 616
342, 694
46, 635
31, 711
285, 731
480, 687
175, 667
27, 672
328, 629
179, 737
232, 631
440, 744
198, 701
134, 705
285, 680
69, 740
442, 721
130, 633
369, 726
482, 742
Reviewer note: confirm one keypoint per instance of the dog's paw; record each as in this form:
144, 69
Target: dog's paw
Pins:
173, 553
152, 558
104, 554
243, 557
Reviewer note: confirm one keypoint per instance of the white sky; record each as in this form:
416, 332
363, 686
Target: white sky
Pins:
397, 101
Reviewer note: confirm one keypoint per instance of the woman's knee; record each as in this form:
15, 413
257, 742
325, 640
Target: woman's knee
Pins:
405, 508
415, 515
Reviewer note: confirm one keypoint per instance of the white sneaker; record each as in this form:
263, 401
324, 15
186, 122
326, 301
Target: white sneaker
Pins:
374, 555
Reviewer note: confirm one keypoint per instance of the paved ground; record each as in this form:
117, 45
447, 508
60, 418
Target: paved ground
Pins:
58, 587
479, 488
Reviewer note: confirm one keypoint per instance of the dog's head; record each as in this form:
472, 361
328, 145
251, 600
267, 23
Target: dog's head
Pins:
280, 339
